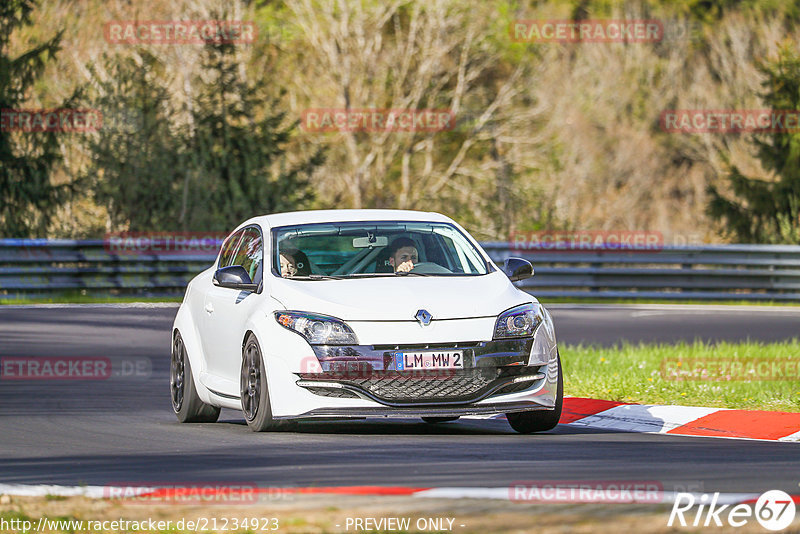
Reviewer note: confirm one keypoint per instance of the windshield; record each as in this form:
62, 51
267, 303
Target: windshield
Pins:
362, 249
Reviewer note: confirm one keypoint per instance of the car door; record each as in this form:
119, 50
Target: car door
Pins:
226, 311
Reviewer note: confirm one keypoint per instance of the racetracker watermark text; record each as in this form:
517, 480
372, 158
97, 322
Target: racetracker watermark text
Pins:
73, 368
163, 243
586, 491
582, 240
724, 121
50, 120
345, 369
138, 32
586, 31
377, 120
731, 369
195, 493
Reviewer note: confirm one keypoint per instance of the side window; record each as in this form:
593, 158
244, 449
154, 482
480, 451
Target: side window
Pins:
228, 248
250, 253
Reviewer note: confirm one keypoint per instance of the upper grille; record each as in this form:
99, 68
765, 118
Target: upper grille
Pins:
424, 346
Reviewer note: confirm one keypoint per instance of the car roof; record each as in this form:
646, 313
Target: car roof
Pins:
344, 215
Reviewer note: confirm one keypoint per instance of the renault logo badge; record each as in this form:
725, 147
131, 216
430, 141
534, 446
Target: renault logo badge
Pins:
423, 317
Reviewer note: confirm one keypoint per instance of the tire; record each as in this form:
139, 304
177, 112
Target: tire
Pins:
540, 420
254, 392
434, 420
185, 402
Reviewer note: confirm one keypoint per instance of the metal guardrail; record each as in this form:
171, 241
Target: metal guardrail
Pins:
39, 267
705, 272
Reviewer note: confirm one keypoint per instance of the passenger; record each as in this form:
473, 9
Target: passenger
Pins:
403, 254
294, 263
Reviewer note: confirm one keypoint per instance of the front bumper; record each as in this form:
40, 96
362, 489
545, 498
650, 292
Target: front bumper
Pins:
361, 380
456, 387
491, 368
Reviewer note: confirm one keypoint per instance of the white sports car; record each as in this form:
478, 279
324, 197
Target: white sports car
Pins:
362, 313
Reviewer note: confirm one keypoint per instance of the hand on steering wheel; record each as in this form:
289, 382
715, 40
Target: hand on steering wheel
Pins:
405, 267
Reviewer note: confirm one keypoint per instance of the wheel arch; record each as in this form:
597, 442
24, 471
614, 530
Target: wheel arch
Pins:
248, 331
187, 327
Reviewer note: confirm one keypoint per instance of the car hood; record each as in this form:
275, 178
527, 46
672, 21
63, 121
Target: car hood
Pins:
399, 298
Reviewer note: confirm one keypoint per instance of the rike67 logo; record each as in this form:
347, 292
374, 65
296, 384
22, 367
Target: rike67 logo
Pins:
774, 510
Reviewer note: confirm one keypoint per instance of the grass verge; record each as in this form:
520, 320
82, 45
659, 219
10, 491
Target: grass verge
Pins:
724, 375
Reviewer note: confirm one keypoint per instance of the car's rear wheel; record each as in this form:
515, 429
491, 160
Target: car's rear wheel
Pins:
254, 393
185, 402
434, 420
541, 420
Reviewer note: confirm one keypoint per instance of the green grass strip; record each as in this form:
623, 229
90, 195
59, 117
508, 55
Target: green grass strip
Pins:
751, 375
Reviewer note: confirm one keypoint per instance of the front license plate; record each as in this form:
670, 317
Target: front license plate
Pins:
405, 361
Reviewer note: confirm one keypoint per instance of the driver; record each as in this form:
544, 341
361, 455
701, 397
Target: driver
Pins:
294, 262
403, 254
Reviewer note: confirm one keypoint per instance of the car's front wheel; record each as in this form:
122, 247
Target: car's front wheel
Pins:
254, 393
541, 420
185, 402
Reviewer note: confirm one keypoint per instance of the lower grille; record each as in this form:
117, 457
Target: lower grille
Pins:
462, 385
451, 385
337, 392
513, 388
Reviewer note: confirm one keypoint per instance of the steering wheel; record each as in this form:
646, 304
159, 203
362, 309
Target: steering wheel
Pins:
427, 267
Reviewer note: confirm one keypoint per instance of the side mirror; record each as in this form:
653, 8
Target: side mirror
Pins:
234, 277
517, 269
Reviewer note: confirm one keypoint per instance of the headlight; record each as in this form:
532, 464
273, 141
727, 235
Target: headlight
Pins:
521, 321
317, 329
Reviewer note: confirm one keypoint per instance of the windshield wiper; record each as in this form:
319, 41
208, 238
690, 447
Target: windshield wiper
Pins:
320, 277
355, 275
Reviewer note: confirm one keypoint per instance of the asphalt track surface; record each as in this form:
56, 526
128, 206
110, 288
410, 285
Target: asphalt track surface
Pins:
122, 430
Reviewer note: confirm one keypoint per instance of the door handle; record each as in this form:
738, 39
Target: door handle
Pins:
210, 308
